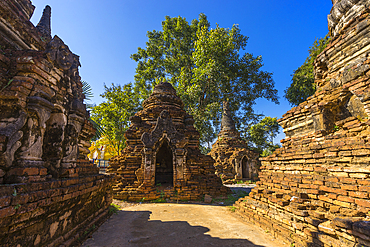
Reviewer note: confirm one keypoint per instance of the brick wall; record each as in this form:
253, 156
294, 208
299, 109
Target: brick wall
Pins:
315, 190
53, 212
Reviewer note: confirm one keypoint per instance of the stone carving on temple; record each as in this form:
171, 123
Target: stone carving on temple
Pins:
47, 186
162, 159
42, 127
235, 161
315, 190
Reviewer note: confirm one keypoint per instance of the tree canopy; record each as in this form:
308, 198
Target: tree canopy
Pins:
262, 135
303, 80
206, 66
113, 115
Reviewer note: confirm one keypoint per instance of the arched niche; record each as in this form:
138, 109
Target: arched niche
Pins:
164, 165
246, 168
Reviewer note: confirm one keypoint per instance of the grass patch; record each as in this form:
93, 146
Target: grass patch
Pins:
159, 200
89, 230
161, 197
113, 209
232, 198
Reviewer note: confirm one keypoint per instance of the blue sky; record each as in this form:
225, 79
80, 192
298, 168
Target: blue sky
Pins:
105, 33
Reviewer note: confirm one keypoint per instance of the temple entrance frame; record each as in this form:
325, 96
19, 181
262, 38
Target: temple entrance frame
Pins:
178, 161
164, 164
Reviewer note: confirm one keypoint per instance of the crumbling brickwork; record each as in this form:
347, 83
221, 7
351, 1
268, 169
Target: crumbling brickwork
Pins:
162, 159
314, 191
49, 192
234, 160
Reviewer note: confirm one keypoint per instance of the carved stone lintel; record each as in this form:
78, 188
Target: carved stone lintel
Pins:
164, 125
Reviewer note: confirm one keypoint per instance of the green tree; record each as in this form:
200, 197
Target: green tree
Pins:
206, 66
262, 135
113, 115
303, 81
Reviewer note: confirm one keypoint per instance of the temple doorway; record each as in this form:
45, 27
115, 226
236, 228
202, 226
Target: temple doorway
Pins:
245, 168
164, 166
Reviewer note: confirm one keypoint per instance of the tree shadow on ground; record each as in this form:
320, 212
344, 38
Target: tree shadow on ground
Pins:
133, 228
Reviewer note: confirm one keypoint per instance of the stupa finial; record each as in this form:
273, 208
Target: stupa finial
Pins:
44, 25
227, 122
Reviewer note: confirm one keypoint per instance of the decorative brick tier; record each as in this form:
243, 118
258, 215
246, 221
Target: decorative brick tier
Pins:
315, 190
49, 192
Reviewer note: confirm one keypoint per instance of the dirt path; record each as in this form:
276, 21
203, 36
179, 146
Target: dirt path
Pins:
172, 225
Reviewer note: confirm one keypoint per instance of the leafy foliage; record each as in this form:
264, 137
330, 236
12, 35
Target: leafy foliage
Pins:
87, 91
113, 115
206, 66
303, 81
262, 135
99, 130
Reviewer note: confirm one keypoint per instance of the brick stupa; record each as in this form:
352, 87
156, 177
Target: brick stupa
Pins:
234, 160
315, 190
162, 159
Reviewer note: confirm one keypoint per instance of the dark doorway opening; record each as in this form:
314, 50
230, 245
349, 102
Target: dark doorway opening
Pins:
164, 165
245, 168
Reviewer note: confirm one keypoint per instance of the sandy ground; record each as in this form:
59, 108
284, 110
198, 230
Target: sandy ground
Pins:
172, 225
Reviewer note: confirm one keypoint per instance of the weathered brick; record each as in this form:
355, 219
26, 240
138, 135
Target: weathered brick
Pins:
334, 209
332, 179
320, 169
333, 190
364, 181
364, 189
5, 201
363, 203
358, 175
7, 211
333, 185
358, 194
345, 199
343, 174
352, 181
342, 203
332, 195
325, 198
349, 187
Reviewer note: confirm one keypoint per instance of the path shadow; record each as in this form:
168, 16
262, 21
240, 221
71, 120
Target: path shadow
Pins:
133, 228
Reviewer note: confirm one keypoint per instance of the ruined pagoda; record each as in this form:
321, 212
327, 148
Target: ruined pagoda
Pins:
50, 193
315, 190
162, 159
234, 160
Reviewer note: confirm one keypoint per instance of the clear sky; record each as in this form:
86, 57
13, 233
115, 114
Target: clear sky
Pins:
105, 33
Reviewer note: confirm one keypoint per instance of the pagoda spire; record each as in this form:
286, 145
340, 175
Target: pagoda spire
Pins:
227, 123
44, 25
